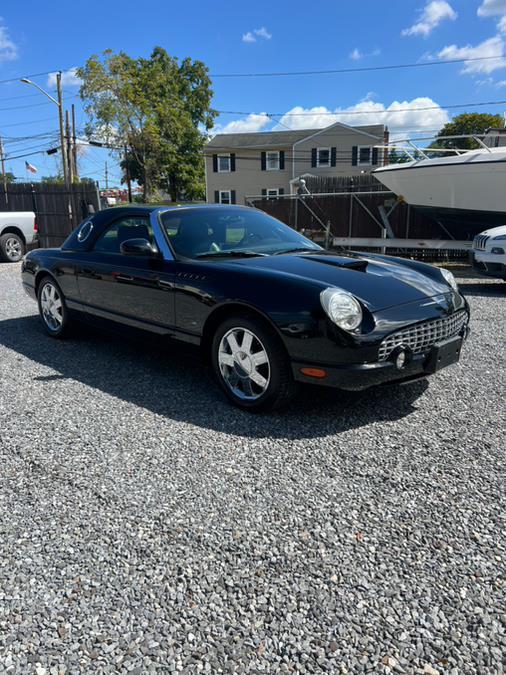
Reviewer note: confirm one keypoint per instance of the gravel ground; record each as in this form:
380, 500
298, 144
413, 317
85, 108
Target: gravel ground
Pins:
147, 526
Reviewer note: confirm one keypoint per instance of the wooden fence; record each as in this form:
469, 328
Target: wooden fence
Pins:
57, 209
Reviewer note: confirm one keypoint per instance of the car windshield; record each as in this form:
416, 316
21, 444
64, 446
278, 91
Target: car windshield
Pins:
208, 232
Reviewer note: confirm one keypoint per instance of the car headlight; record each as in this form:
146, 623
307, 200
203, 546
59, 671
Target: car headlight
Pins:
501, 237
450, 279
342, 308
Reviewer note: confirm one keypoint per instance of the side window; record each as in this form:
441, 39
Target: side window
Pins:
120, 230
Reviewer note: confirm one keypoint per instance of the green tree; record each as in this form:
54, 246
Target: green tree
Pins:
9, 177
154, 113
467, 123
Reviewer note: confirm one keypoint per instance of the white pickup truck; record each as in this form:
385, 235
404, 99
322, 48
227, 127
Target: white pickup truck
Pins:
488, 255
18, 229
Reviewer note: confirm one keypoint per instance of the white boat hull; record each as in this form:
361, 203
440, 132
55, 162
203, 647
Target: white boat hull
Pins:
475, 181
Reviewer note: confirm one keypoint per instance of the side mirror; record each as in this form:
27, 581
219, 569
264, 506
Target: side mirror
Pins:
140, 247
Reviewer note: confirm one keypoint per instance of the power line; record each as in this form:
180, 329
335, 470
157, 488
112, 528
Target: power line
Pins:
20, 124
16, 79
363, 69
364, 112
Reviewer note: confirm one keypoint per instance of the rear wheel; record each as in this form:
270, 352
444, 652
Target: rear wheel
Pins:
52, 308
251, 365
12, 247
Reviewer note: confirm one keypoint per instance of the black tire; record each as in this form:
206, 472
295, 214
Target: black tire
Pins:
12, 247
55, 328
280, 388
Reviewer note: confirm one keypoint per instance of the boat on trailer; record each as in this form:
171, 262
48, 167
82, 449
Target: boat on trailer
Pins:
455, 187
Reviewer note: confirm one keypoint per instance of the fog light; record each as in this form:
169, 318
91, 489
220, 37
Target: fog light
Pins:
400, 358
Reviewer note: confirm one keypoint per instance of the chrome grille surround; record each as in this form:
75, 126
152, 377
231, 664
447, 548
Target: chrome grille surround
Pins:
421, 336
480, 242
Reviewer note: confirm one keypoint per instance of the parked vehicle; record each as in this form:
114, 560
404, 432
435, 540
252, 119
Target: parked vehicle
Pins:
18, 229
488, 255
269, 308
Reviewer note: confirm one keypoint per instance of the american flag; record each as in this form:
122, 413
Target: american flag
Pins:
30, 167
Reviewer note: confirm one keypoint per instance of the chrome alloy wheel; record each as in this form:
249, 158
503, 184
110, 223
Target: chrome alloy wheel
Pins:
51, 307
13, 249
244, 363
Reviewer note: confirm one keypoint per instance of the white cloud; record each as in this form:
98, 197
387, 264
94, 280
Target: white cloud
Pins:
492, 47
430, 17
356, 54
492, 8
8, 49
501, 24
253, 35
398, 116
253, 122
68, 79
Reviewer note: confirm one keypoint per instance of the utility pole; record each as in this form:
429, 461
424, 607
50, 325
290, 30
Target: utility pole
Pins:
128, 177
106, 177
70, 159
2, 159
74, 144
62, 132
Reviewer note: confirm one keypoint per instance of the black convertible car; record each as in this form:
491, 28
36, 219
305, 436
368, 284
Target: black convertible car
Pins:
269, 307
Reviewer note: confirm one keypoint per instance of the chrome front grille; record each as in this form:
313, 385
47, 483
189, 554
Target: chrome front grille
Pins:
480, 242
421, 336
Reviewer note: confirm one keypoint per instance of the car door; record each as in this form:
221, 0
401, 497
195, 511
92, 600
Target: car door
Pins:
128, 289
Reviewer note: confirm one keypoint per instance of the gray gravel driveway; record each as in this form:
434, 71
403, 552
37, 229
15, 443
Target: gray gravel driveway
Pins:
148, 527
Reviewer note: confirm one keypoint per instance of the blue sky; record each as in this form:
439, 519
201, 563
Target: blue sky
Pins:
261, 37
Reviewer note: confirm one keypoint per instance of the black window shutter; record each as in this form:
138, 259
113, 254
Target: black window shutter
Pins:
354, 155
264, 192
232, 196
281, 160
216, 197
263, 160
215, 163
313, 157
375, 155
281, 191
232, 161
333, 156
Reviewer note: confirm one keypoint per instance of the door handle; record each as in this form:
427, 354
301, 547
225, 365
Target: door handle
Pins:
124, 277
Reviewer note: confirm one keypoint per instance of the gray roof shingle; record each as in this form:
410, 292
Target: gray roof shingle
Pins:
259, 139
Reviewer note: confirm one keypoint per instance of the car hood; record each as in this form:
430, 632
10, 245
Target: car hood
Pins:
495, 232
376, 281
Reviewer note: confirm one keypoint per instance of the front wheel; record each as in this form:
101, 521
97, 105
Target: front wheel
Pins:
251, 365
12, 247
52, 308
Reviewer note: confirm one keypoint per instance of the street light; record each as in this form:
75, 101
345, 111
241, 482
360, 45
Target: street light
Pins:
59, 103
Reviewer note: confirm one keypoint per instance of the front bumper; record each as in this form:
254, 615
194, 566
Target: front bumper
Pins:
356, 377
487, 264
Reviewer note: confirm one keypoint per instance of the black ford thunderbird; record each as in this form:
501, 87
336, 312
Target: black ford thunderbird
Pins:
268, 307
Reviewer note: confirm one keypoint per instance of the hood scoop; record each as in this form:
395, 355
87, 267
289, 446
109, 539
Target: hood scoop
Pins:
339, 261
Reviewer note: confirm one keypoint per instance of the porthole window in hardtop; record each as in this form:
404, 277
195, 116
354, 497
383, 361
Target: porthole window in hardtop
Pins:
84, 231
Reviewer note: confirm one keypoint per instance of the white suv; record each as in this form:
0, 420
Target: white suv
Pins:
488, 255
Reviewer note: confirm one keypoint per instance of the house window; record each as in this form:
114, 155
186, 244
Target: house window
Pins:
225, 197
224, 163
273, 192
272, 161
323, 157
364, 154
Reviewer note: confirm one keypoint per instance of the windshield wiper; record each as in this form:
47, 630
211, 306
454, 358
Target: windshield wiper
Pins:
236, 253
299, 249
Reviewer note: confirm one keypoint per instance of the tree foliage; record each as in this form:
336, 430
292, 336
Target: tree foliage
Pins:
9, 177
467, 123
155, 113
